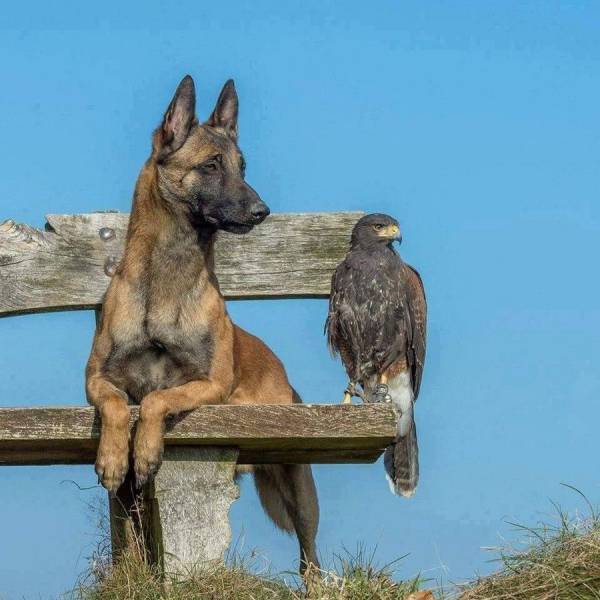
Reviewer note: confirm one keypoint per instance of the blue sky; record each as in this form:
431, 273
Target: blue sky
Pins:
476, 123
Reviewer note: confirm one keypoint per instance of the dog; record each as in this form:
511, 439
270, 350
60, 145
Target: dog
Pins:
165, 340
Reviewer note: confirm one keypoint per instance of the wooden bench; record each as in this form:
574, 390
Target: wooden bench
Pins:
180, 520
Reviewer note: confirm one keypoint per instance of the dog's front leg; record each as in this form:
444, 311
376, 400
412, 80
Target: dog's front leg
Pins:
154, 409
112, 459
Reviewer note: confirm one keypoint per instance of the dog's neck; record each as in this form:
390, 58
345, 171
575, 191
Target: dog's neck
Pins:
165, 244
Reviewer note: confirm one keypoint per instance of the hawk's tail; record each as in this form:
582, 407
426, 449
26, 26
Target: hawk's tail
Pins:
401, 459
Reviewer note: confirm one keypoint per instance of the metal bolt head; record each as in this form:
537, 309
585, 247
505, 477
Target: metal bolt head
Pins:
106, 233
110, 266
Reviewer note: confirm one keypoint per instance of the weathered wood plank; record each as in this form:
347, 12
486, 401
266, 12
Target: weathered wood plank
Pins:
65, 267
263, 434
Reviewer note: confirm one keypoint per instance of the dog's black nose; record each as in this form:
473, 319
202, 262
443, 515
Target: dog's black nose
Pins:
260, 212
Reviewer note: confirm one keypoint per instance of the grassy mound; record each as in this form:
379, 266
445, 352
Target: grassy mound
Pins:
561, 562
352, 578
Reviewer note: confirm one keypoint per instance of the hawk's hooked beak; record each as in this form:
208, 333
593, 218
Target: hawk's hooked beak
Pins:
392, 232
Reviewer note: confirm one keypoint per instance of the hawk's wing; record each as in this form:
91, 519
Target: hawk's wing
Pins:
341, 323
416, 305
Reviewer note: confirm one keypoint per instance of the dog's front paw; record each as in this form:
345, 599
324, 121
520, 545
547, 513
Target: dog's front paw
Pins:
112, 462
147, 457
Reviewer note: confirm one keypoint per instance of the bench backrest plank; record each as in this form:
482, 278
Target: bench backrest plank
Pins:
64, 267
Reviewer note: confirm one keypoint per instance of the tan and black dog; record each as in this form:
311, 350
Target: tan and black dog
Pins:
165, 340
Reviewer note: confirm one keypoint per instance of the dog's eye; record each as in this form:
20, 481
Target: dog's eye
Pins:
243, 166
212, 164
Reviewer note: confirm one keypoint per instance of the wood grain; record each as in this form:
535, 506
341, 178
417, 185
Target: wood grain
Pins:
63, 267
263, 434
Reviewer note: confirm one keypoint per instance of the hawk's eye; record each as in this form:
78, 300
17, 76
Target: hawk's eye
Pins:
378, 227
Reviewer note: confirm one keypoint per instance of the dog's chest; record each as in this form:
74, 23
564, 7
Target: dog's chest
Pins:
162, 354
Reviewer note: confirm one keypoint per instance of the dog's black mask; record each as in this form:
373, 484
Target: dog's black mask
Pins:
224, 200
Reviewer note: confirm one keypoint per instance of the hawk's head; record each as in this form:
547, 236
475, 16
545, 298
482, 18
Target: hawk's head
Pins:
373, 230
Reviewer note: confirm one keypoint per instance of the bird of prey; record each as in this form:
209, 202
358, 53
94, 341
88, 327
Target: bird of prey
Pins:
377, 324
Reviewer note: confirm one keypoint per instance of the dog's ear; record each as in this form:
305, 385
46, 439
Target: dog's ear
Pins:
225, 114
179, 118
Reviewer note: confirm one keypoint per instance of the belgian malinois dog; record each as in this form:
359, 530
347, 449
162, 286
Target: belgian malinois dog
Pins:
165, 340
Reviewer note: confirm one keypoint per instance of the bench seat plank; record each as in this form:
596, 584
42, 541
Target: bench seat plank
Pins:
264, 434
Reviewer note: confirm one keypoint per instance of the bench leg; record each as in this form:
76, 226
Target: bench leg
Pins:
191, 495
180, 521
130, 521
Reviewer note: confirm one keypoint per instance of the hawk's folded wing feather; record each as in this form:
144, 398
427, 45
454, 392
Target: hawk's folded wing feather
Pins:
417, 312
338, 325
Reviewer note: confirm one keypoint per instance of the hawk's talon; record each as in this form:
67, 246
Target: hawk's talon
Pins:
351, 391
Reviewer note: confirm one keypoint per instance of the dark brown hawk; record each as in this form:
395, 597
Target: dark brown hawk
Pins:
377, 324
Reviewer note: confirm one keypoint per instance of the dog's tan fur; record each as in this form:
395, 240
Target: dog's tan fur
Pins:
165, 339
